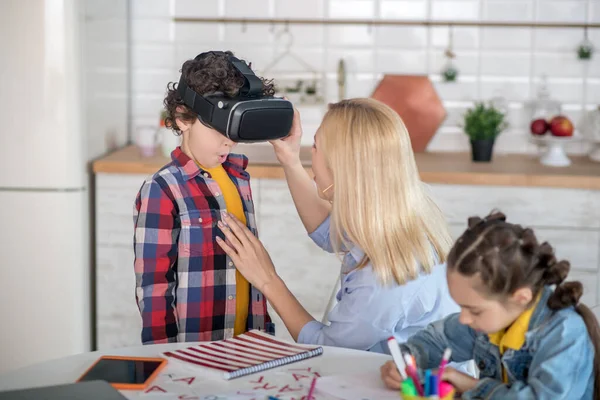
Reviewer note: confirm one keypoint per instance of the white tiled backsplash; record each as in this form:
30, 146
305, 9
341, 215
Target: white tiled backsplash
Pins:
491, 61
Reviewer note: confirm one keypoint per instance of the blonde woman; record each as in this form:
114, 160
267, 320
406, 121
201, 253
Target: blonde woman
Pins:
370, 206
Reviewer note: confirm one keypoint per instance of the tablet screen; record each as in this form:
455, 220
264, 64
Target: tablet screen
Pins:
121, 371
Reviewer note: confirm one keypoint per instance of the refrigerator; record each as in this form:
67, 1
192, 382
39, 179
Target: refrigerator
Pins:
45, 267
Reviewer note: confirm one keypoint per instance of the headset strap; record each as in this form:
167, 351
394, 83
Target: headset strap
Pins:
193, 100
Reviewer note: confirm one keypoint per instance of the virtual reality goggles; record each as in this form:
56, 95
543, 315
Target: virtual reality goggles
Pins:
248, 117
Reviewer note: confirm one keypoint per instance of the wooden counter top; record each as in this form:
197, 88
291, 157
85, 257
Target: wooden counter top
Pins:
449, 168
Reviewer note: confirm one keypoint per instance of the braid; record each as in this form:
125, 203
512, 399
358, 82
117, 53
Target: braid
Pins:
507, 257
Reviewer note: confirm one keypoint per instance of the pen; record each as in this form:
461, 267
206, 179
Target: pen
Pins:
397, 356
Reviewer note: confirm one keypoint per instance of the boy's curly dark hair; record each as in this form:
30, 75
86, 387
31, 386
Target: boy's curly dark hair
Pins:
211, 73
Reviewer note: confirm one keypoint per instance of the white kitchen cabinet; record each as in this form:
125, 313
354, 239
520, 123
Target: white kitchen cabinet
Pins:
531, 206
118, 322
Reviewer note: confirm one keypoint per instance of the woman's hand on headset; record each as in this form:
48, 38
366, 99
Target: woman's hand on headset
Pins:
287, 149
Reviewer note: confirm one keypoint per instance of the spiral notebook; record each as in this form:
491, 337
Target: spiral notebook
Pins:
251, 352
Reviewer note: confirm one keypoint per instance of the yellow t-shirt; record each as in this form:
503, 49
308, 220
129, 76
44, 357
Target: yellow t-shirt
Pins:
513, 337
234, 205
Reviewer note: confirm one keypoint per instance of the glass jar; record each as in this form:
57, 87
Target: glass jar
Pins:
543, 106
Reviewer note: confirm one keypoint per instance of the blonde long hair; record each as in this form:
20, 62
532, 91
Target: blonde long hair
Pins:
380, 203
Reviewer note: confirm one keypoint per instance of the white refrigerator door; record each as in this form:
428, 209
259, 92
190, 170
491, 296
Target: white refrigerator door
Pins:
41, 136
45, 275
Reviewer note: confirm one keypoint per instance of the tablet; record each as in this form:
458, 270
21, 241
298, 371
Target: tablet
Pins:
92, 390
125, 373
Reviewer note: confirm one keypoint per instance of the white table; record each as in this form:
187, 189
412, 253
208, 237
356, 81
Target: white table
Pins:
333, 361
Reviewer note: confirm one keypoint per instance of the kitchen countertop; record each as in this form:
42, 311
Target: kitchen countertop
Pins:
448, 168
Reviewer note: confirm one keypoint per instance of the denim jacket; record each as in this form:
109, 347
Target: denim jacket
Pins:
556, 362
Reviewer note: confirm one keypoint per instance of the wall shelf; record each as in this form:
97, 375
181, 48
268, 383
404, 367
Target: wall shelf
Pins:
387, 22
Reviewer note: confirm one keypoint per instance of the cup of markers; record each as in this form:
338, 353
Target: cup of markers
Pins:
431, 388
416, 387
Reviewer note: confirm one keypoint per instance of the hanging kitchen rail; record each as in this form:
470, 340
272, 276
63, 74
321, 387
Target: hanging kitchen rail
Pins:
389, 22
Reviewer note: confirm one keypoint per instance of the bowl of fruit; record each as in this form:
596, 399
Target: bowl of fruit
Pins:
553, 135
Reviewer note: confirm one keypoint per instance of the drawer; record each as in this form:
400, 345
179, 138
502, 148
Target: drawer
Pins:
546, 207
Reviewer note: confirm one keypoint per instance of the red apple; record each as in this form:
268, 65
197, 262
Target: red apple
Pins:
561, 126
539, 126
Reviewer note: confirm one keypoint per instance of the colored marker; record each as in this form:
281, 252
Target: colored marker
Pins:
427, 382
443, 363
408, 388
445, 388
433, 385
445, 359
397, 356
411, 371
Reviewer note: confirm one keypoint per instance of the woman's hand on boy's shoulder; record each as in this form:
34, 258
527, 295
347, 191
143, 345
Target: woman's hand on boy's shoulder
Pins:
287, 149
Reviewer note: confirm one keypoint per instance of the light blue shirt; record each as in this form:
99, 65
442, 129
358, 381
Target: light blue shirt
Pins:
368, 313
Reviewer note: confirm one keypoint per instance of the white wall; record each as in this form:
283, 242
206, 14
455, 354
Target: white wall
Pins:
106, 79
505, 61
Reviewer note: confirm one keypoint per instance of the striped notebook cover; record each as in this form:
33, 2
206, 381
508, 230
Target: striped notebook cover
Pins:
251, 352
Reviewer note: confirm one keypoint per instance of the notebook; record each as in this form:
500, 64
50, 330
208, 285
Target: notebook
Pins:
251, 352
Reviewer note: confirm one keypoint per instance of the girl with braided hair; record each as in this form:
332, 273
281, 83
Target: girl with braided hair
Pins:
520, 322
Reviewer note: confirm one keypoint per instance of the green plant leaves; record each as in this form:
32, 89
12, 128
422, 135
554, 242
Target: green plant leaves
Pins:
484, 122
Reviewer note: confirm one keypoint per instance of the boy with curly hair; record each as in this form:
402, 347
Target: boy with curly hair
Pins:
187, 288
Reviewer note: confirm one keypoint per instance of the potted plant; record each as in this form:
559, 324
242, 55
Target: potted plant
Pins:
584, 52
483, 124
290, 89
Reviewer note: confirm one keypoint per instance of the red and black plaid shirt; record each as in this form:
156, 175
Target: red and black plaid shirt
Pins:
185, 283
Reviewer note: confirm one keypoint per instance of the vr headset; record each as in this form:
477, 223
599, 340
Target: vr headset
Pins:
248, 117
